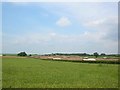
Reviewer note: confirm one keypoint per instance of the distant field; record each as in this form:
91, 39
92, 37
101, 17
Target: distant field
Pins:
35, 73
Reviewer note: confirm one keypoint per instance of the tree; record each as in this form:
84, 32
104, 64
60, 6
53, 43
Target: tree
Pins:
22, 54
96, 54
4, 55
103, 54
30, 55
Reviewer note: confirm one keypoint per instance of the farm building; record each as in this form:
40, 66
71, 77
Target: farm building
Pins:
89, 59
56, 58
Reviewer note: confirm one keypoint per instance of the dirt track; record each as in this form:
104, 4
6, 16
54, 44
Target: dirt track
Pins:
74, 58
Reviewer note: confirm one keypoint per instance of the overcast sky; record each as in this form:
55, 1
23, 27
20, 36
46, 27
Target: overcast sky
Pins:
60, 27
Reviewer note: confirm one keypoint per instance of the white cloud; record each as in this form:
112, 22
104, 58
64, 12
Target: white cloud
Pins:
92, 16
52, 34
63, 22
108, 26
53, 42
102, 22
95, 23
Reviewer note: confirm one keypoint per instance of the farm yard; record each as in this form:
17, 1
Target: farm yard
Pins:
27, 72
75, 58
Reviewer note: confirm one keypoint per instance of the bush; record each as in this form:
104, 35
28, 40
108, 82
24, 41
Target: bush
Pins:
103, 54
4, 55
22, 54
30, 55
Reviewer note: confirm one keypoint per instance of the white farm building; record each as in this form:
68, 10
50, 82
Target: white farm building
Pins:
89, 59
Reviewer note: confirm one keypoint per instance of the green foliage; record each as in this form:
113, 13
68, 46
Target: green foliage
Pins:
96, 54
35, 73
30, 55
7, 54
22, 54
69, 54
103, 54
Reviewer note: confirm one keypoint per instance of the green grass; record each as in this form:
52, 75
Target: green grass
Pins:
36, 73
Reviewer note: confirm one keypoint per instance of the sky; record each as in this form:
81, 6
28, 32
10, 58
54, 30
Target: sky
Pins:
64, 27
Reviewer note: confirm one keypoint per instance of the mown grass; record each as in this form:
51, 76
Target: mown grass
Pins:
36, 73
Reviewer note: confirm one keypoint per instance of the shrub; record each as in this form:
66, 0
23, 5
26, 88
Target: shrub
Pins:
22, 54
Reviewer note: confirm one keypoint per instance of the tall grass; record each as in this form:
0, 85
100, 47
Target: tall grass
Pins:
36, 73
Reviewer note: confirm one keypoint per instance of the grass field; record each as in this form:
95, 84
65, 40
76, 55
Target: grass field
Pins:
36, 73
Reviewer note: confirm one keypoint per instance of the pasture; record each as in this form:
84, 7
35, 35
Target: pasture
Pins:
28, 72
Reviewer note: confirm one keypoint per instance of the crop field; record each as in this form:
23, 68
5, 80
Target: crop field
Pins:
36, 73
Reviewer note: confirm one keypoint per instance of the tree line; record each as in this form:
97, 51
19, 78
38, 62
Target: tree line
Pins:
96, 54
